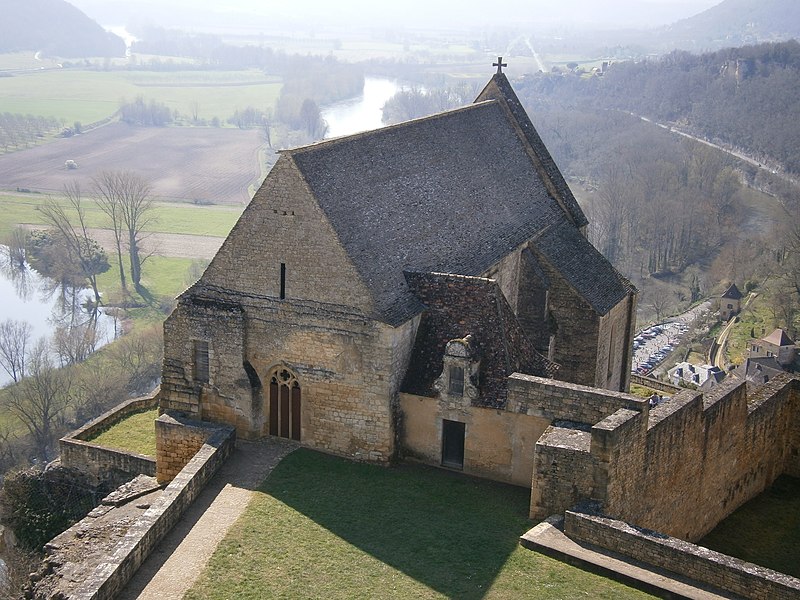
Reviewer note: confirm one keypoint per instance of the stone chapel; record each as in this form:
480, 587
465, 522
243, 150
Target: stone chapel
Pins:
380, 288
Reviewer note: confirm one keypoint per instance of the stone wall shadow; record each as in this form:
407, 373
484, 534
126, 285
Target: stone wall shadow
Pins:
448, 531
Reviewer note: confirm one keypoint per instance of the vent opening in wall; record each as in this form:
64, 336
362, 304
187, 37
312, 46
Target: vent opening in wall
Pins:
200, 361
283, 281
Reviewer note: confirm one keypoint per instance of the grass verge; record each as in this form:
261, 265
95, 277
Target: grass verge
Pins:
322, 526
764, 531
135, 433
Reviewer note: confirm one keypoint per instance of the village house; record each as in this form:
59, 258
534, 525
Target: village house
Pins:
380, 288
730, 303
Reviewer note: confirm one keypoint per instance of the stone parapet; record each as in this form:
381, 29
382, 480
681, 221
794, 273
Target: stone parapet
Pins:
107, 464
701, 564
178, 439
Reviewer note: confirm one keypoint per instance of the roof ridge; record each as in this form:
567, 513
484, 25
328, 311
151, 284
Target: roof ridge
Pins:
370, 132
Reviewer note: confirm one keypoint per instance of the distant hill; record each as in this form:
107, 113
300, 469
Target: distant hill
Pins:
734, 23
54, 27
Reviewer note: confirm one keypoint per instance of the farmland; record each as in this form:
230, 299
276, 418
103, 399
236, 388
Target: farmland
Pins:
91, 95
196, 164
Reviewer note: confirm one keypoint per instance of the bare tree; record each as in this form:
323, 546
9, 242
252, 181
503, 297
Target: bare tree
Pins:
41, 399
14, 339
80, 246
125, 198
139, 355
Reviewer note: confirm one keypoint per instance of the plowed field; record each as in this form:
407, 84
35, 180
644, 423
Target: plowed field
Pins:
181, 163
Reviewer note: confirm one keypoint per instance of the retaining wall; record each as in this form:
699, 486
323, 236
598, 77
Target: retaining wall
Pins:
712, 568
140, 540
107, 464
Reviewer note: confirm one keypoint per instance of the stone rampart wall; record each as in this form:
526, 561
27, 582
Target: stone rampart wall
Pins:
716, 451
709, 567
655, 384
106, 464
561, 401
177, 440
140, 540
655, 466
563, 471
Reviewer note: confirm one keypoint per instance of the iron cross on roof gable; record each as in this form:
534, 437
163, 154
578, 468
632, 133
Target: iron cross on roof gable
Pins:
499, 64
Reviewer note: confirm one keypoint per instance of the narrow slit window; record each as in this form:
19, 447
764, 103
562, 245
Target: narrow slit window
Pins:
457, 381
201, 361
283, 281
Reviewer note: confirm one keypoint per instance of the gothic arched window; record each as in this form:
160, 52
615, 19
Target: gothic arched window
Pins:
284, 404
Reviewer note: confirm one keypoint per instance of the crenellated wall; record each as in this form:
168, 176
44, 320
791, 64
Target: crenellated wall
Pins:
655, 467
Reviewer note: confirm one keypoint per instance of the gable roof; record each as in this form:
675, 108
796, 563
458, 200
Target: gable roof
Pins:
778, 338
458, 306
451, 193
499, 88
581, 264
732, 293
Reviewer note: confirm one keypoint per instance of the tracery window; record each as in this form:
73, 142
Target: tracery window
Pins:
284, 404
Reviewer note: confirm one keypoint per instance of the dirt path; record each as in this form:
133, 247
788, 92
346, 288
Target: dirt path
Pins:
182, 555
175, 245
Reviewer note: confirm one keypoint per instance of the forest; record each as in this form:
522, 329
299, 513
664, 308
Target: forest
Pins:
744, 97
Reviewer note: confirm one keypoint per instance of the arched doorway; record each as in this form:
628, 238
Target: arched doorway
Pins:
284, 404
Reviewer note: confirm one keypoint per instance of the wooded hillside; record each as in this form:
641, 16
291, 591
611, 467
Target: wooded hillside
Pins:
745, 97
54, 27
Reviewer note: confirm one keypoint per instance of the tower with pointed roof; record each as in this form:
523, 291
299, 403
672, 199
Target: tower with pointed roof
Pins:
336, 311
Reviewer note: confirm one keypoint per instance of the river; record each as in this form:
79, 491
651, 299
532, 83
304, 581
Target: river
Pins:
27, 296
360, 113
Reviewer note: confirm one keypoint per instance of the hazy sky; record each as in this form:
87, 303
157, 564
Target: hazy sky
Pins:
437, 14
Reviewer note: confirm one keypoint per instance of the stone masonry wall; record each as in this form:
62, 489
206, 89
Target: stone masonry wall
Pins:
701, 564
220, 323
563, 471
107, 464
558, 400
577, 341
614, 356
110, 578
716, 451
177, 441
655, 467
284, 223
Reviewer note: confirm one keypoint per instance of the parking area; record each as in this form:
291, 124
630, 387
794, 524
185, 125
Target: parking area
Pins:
653, 345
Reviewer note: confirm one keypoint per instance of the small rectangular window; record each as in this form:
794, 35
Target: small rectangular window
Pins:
201, 361
457, 381
283, 281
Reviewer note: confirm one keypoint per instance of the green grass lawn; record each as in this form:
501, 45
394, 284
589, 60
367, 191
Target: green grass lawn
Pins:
135, 433
325, 527
169, 217
764, 531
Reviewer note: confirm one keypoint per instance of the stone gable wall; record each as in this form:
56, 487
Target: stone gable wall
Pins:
283, 224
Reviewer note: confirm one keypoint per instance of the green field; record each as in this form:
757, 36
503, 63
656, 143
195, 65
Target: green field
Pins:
135, 433
88, 96
325, 527
169, 217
